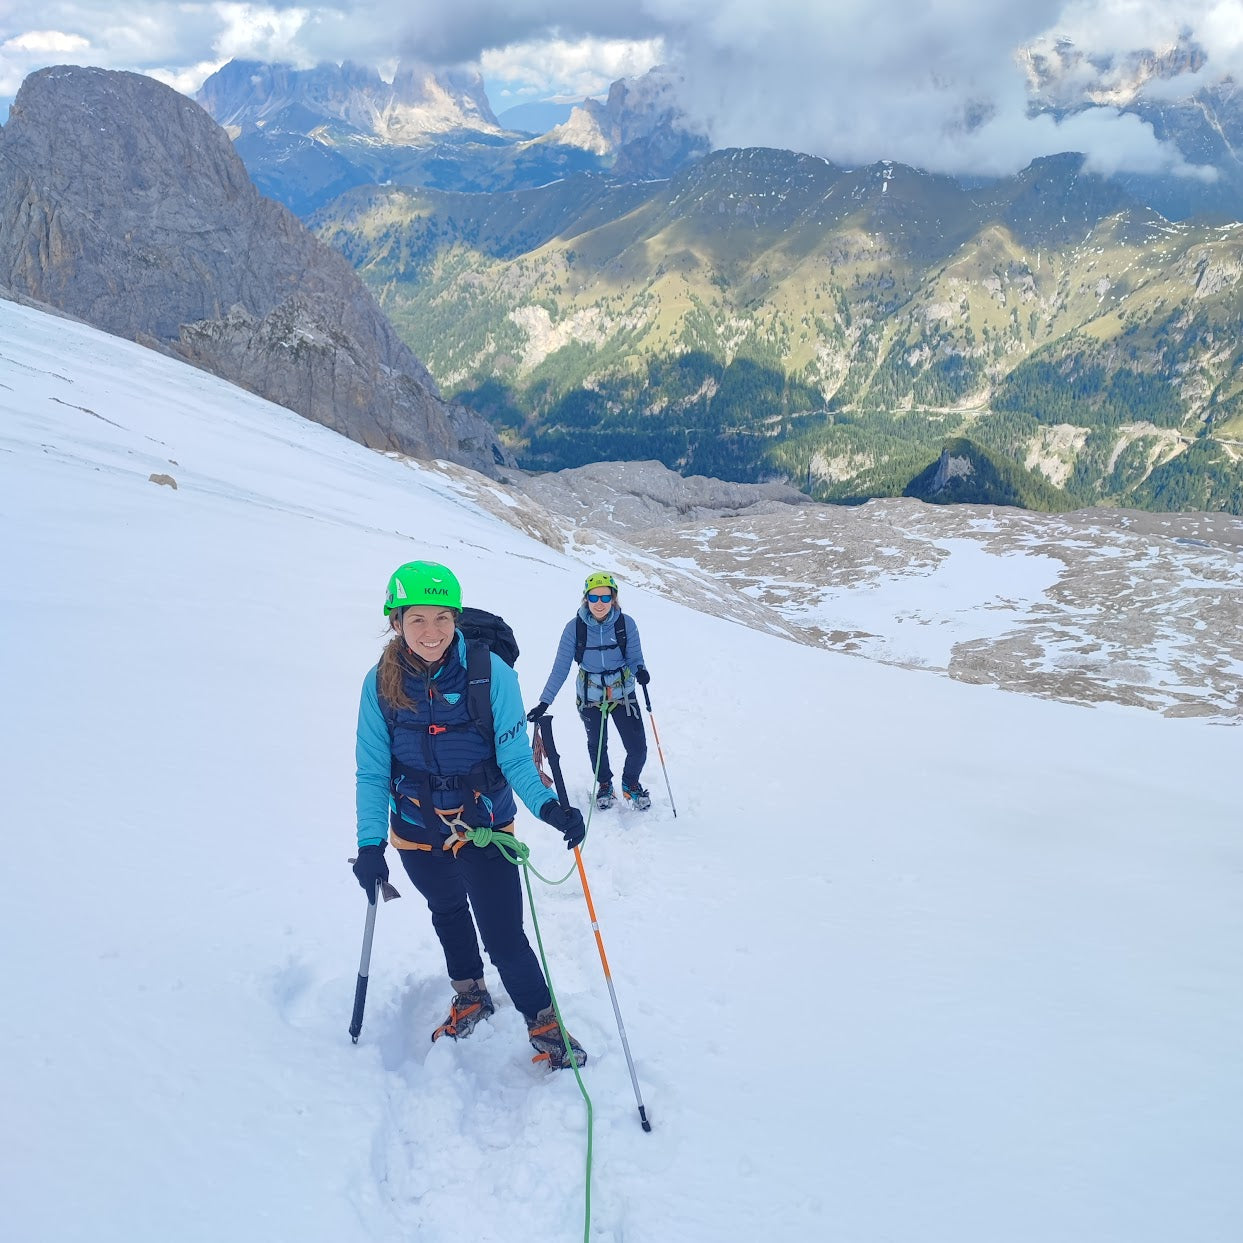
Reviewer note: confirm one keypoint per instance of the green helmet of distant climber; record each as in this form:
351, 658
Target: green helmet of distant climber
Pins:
422, 582
599, 579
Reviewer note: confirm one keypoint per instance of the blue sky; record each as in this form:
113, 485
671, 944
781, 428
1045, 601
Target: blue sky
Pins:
945, 85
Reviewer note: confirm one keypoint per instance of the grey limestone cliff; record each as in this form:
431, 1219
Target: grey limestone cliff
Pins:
123, 204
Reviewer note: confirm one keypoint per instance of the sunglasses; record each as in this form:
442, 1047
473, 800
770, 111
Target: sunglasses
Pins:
598, 597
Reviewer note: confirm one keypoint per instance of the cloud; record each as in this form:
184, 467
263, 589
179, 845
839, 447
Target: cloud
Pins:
44, 43
39, 47
160, 38
943, 84
264, 32
462, 31
570, 70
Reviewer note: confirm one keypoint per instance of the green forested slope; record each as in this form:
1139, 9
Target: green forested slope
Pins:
770, 315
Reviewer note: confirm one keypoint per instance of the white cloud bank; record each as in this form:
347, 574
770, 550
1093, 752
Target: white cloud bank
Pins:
947, 86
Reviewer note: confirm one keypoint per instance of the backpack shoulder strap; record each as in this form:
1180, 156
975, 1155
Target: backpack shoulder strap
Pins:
580, 637
479, 686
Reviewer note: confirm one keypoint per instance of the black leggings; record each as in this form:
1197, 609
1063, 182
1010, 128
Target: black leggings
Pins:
630, 726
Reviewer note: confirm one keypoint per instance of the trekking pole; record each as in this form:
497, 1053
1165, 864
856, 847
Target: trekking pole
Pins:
656, 734
554, 761
360, 989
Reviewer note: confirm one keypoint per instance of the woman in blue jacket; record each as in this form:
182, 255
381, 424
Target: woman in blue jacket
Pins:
427, 771
605, 643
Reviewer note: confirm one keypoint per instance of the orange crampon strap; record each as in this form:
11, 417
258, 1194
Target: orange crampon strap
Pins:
456, 1015
554, 1026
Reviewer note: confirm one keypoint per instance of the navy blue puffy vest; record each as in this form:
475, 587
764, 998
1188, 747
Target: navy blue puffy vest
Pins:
440, 752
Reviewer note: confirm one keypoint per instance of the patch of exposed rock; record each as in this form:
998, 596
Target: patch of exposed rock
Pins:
1142, 609
623, 497
1105, 606
123, 204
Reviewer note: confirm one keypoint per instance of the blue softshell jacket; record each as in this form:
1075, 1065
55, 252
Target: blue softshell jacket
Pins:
602, 658
374, 749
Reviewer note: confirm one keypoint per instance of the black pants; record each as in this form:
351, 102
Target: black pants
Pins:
482, 875
629, 725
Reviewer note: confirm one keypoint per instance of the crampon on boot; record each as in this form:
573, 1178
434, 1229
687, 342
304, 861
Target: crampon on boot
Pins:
605, 796
637, 796
469, 1007
545, 1036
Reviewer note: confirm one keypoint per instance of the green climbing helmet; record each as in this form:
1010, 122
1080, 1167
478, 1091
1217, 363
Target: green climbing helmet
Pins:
422, 582
600, 579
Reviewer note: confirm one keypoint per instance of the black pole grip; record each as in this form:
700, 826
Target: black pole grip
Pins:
544, 724
360, 1001
647, 699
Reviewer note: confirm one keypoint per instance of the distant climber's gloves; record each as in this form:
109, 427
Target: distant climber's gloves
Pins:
642, 676
568, 821
371, 866
537, 712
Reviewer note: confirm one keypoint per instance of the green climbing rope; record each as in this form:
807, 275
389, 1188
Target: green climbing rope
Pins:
519, 854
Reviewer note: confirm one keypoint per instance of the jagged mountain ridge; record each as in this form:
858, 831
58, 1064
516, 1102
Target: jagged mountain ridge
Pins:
419, 101
879, 310
123, 204
308, 135
641, 130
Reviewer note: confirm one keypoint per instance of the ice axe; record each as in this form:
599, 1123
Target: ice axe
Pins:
360, 989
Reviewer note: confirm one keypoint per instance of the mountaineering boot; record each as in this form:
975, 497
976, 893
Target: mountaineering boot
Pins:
471, 1004
637, 795
545, 1036
605, 796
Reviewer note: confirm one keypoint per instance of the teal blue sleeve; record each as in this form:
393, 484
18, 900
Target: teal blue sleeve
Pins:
374, 758
513, 747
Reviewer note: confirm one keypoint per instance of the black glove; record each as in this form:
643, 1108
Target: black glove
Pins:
369, 867
568, 821
642, 676
537, 712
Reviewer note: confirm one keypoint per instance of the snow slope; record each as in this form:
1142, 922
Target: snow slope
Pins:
915, 962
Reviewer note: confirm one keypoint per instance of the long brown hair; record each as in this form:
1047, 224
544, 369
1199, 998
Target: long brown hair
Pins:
390, 676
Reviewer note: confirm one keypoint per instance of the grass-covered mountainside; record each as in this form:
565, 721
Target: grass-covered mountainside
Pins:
765, 314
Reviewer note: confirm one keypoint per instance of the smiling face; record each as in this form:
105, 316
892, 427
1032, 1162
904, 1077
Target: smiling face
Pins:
602, 602
427, 630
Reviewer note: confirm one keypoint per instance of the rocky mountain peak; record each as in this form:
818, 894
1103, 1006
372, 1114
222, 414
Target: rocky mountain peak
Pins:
420, 102
641, 126
123, 204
